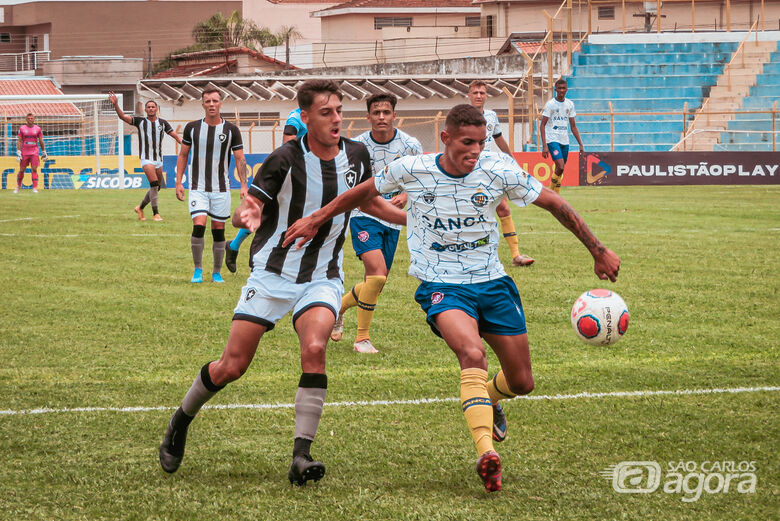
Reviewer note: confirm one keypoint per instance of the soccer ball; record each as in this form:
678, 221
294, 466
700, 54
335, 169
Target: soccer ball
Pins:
599, 317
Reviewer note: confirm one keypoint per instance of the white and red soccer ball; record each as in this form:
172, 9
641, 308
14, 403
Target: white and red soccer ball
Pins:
599, 317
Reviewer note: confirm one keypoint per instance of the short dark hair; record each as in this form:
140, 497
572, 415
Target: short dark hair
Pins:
311, 88
381, 98
561, 81
151, 101
209, 90
477, 83
29, 114
464, 115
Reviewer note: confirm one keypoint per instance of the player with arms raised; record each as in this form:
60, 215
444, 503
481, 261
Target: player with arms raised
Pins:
151, 131
453, 242
375, 240
27, 151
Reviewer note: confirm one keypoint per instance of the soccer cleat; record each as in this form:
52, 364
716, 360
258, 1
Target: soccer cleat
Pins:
303, 468
157, 217
338, 329
35, 190
197, 276
216, 277
365, 346
489, 470
231, 256
172, 446
522, 260
140, 213
16, 190
499, 423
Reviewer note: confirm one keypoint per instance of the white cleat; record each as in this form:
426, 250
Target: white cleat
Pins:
35, 190
16, 190
365, 346
338, 329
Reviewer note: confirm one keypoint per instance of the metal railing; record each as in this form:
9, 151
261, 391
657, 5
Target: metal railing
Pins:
23, 61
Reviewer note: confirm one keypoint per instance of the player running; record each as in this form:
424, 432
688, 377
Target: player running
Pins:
557, 117
298, 177
374, 240
495, 140
28, 146
212, 140
294, 128
453, 242
151, 131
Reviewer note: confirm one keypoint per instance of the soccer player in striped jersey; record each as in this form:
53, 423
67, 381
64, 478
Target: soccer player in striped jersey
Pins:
30, 138
294, 128
495, 140
295, 179
151, 131
212, 140
453, 245
374, 240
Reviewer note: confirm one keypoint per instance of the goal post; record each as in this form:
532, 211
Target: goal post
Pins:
84, 140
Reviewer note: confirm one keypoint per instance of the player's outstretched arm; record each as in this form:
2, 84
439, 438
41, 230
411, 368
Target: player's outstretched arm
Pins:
607, 263
306, 227
119, 112
385, 210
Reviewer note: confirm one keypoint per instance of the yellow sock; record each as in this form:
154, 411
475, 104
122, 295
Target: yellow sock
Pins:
350, 298
555, 182
367, 300
498, 389
477, 407
508, 229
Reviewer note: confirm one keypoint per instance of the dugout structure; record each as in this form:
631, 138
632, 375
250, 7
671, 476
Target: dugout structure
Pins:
82, 134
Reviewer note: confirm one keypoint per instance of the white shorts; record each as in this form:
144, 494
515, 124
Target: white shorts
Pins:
155, 164
268, 297
214, 204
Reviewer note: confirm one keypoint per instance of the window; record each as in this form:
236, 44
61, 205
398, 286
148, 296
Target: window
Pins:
489, 26
607, 13
5, 37
392, 21
473, 21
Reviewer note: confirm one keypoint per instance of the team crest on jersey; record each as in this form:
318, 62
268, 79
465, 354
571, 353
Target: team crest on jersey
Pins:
479, 199
192, 204
429, 197
351, 177
251, 292
362, 236
437, 297
222, 138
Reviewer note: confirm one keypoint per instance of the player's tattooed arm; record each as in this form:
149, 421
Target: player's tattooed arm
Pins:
607, 263
242, 170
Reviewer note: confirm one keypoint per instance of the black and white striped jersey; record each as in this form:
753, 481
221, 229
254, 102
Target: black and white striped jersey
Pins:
293, 183
150, 136
210, 153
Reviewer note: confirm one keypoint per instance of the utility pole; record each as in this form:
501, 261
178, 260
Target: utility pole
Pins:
149, 60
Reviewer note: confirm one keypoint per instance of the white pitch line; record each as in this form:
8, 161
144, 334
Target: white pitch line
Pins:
39, 218
421, 401
45, 236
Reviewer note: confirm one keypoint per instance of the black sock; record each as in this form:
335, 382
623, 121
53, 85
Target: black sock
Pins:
301, 446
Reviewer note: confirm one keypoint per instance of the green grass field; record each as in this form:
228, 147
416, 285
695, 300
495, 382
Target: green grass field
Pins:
98, 313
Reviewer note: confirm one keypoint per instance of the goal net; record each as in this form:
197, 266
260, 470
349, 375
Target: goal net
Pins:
83, 138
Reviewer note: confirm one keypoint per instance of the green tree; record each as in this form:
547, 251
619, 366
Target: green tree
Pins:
233, 31
288, 34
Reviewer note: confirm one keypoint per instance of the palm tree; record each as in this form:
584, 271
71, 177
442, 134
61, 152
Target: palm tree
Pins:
233, 31
286, 34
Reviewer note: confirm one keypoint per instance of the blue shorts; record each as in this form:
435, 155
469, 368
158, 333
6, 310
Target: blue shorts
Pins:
558, 151
495, 304
369, 234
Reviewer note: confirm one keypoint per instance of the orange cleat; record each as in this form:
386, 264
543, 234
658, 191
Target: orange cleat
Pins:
522, 260
158, 217
140, 213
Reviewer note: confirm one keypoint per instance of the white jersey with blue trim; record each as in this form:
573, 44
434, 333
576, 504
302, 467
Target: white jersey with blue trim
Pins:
452, 232
558, 114
382, 154
492, 129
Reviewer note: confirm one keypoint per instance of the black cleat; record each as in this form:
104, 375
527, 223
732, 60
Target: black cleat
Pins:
231, 256
172, 446
303, 468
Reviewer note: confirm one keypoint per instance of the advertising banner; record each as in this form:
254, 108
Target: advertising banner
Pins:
254, 161
542, 169
679, 168
75, 172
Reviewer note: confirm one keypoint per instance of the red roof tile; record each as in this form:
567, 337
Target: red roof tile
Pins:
198, 69
230, 51
30, 87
